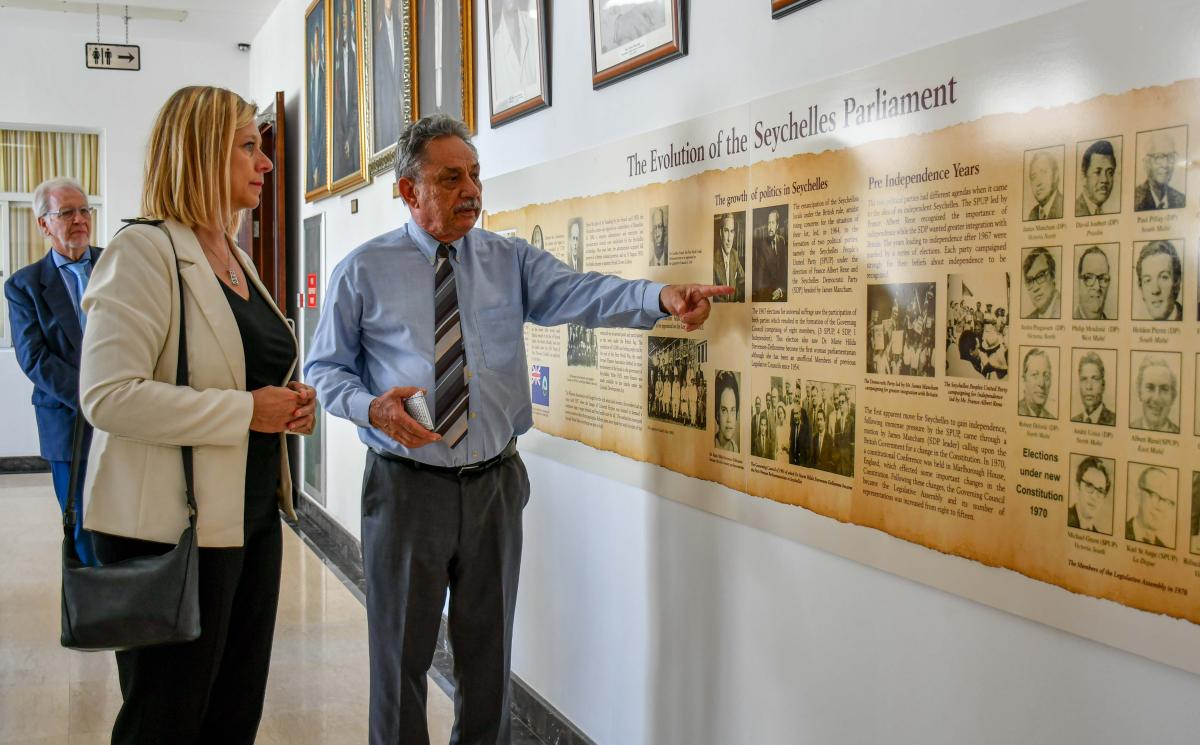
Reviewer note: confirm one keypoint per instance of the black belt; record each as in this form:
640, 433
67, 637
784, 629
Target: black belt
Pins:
509, 451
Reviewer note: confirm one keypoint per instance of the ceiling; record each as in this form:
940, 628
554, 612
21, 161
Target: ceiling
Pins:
222, 21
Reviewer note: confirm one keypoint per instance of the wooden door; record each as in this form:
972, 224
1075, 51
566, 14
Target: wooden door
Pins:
263, 233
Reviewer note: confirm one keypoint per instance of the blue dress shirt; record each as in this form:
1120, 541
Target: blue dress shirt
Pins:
376, 330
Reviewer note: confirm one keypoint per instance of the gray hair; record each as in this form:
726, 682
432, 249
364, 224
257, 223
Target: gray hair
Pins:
41, 195
410, 146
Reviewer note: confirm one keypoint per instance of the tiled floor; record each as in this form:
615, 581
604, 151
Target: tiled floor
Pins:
51, 696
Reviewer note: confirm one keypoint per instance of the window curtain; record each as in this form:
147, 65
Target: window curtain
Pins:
27, 158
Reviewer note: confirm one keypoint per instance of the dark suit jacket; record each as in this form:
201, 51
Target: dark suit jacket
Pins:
1131, 536
1082, 209
770, 265
1108, 417
47, 340
1072, 518
1056, 209
736, 280
1143, 198
822, 454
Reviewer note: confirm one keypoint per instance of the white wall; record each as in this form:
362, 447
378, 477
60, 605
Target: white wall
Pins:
644, 620
45, 84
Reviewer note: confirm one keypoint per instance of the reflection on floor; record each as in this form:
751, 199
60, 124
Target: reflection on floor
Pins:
51, 696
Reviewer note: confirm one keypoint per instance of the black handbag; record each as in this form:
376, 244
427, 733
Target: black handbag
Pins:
146, 600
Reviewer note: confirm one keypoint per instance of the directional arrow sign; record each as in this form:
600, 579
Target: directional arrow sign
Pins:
112, 56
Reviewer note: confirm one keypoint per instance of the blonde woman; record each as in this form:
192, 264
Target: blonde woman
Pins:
204, 164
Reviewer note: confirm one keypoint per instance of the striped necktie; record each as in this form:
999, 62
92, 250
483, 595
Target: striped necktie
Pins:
450, 362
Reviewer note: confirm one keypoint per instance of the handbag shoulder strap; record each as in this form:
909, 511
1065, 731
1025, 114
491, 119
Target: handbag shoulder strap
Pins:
181, 378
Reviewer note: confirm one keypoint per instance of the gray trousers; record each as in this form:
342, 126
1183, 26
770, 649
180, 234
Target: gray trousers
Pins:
423, 532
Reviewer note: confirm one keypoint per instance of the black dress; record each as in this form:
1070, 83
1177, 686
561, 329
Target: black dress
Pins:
269, 349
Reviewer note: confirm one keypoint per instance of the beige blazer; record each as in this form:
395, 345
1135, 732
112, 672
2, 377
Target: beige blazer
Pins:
134, 483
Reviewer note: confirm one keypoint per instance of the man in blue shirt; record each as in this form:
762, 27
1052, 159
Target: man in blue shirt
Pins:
444, 510
47, 331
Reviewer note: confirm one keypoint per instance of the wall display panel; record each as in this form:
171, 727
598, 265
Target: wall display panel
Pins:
881, 368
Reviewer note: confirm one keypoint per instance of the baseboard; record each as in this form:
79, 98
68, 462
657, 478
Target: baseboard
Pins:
342, 552
24, 464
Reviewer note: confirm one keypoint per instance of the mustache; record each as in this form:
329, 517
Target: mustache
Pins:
469, 205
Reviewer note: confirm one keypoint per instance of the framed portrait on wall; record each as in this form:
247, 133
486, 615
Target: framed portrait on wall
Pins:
780, 8
316, 100
518, 58
348, 157
388, 81
441, 60
631, 36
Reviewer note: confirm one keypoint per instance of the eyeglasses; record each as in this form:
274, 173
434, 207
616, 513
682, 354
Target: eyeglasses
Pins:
1040, 278
1161, 159
1091, 280
69, 214
1152, 496
1091, 488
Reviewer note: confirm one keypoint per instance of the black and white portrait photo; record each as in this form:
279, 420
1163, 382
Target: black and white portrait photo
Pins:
1152, 504
1098, 177
770, 242
1158, 280
629, 36
977, 324
1095, 267
1041, 285
902, 320
1091, 493
1161, 169
536, 239
387, 72
1194, 527
1154, 391
1094, 386
1043, 184
727, 414
676, 389
1037, 391
729, 255
575, 244
659, 235
316, 91
517, 49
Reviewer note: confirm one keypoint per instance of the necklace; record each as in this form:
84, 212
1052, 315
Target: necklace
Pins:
233, 275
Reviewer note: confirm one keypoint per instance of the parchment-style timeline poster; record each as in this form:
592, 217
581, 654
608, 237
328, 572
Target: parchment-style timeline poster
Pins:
970, 339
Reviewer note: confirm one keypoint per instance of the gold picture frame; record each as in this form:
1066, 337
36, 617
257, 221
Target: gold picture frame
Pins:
434, 92
383, 130
316, 100
347, 165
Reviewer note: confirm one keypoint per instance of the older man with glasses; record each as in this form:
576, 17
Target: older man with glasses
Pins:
47, 328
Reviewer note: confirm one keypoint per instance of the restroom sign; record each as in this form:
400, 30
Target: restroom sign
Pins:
112, 56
